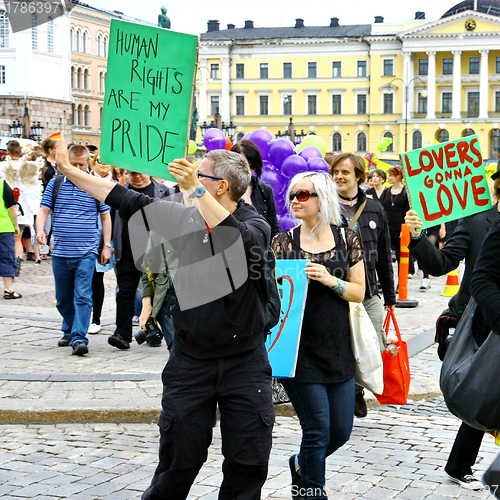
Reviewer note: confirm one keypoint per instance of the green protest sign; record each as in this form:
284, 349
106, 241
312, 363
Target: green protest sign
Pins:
447, 181
147, 104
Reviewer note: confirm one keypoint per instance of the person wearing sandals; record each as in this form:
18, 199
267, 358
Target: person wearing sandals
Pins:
322, 391
8, 230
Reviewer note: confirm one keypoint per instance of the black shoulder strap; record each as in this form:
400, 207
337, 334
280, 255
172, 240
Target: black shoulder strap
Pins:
296, 240
56, 188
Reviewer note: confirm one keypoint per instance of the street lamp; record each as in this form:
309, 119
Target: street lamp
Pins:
204, 128
16, 129
406, 97
36, 131
290, 134
229, 129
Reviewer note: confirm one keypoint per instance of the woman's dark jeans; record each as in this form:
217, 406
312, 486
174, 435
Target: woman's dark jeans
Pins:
326, 414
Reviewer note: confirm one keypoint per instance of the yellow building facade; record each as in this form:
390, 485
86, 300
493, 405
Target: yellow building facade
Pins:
417, 82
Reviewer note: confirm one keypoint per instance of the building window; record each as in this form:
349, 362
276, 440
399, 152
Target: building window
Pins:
287, 105
77, 41
214, 105
86, 79
362, 68
4, 30
240, 71
497, 65
336, 69
423, 66
86, 47
311, 105
264, 105
86, 116
72, 76
388, 67
473, 104
447, 102
79, 115
2, 75
240, 105
336, 142
361, 142
102, 81
443, 136
72, 39
264, 70
388, 104
100, 117
361, 104
287, 70
79, 78
495, 143
50, 35
214, 72
311, 70
447, 65
497, 102
336, 104
34, 32
99, 45
468, 132
389, 135
422, 104
416, 140
105, 46
473, 65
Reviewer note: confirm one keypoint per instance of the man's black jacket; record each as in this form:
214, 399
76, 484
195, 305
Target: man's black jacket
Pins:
376, 244
234, 323
465, 243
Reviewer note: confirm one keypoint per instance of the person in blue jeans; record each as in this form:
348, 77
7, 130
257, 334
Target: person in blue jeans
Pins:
322, 391
76, 241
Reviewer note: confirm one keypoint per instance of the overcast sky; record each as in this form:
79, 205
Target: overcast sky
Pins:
191, 16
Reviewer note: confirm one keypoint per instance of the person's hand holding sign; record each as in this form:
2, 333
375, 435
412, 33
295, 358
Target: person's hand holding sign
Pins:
414, 223
185, 174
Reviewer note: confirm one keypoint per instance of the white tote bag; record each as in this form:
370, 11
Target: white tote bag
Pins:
369, 369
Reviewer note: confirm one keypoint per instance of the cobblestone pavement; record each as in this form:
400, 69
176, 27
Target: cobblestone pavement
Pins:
392, 453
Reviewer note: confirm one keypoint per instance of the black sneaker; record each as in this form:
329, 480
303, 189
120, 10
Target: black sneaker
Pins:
118, 341
296, 479
360, 409
64, 342
80, 348
467, 481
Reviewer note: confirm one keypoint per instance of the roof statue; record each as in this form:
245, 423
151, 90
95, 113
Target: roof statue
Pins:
163, 19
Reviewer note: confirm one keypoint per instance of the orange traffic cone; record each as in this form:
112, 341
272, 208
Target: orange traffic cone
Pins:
452, 285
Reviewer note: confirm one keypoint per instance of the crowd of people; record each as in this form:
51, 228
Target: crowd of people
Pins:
84, 212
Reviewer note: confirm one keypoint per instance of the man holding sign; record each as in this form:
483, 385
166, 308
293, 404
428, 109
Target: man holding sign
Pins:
465, 243
218, 356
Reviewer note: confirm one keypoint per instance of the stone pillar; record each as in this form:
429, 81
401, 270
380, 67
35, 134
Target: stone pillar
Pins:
457, 84
202, 107
483, 85
431, 86
225, 104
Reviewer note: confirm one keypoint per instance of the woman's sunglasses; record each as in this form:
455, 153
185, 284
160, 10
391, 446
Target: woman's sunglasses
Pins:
301, 195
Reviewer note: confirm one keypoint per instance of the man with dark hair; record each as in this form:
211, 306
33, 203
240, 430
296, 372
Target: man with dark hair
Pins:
367, 218
76, 242
220, 318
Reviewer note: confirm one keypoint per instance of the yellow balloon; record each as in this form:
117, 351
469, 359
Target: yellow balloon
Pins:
192, 147
314, 140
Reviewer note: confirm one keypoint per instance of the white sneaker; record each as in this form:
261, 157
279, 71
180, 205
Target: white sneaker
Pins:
93, 328
426, 284
469, 482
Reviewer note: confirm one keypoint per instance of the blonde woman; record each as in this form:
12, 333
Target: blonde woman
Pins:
322, 391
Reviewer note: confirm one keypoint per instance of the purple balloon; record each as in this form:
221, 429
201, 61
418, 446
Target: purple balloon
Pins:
318, 165
311, 152
280, 202
246, 137
280, 150
214, 139
263, 140
293, 165
287, 222
277, 180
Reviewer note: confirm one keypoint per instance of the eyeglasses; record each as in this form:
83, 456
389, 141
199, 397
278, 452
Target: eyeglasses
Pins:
198, 174
301, 195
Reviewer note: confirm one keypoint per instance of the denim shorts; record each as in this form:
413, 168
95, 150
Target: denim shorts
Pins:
7, 255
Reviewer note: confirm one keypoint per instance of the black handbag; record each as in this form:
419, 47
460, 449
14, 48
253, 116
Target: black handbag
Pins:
469, 375
446, 320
